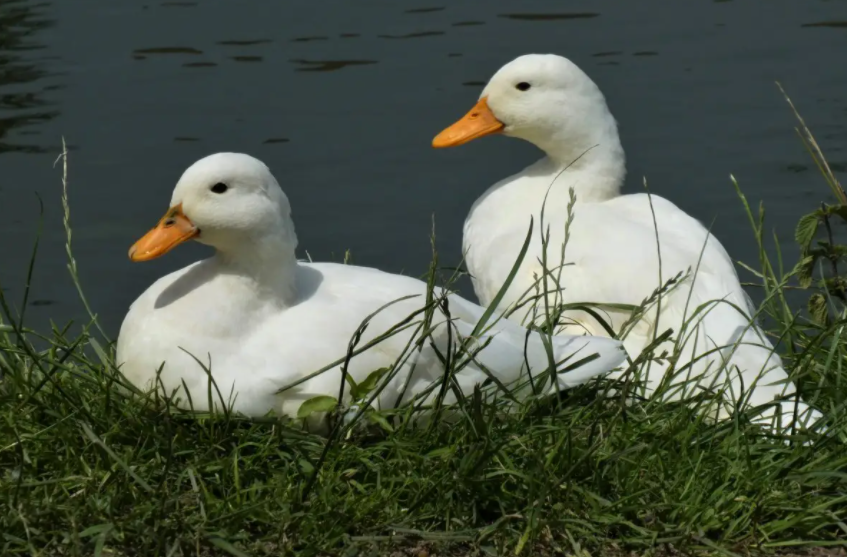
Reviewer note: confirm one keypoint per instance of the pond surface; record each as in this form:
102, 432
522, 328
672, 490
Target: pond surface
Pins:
342, 99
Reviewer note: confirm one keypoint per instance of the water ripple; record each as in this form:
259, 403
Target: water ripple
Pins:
413, 35
329, 65
549, 17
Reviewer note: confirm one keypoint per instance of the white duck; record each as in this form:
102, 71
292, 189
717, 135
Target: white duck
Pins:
611, 253
260, 320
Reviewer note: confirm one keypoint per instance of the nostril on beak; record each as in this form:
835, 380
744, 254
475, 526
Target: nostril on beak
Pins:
170, 222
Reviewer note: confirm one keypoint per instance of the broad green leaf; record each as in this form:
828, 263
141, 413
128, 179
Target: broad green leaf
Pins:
804, 269
380, 420
306, 466
361, 390
818, 308
840, 210
806, 229
350, 381
321, 403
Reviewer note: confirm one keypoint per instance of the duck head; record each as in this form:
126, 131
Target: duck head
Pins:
541, 98
229, 201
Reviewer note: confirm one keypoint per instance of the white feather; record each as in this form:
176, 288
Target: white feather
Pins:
612, 250
259, 320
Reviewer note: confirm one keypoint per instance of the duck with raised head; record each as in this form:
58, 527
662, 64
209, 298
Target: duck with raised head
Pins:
256, 319
611, 255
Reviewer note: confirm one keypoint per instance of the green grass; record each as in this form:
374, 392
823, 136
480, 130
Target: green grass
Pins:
88, 467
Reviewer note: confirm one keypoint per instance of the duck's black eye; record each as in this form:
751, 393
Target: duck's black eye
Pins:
220, 187
523, 86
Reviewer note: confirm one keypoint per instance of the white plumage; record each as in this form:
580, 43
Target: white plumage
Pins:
611, 252
260, 320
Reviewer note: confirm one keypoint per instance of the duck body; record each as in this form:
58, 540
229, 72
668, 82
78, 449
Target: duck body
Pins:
620, 249
611, 246
256, 320
611, 258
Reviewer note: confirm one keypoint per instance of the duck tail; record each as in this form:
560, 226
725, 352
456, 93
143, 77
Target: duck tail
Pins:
742, 362
760, 381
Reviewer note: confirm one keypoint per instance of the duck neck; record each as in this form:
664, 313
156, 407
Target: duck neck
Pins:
587, 151
267, 265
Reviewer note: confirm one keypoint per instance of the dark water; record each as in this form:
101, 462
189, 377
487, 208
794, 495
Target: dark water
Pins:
342, 98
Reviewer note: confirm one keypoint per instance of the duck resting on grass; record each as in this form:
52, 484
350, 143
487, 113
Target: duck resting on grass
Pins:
611, 255
257, 320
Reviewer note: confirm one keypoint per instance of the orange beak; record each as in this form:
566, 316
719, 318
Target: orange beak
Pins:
172, 230
479, 122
